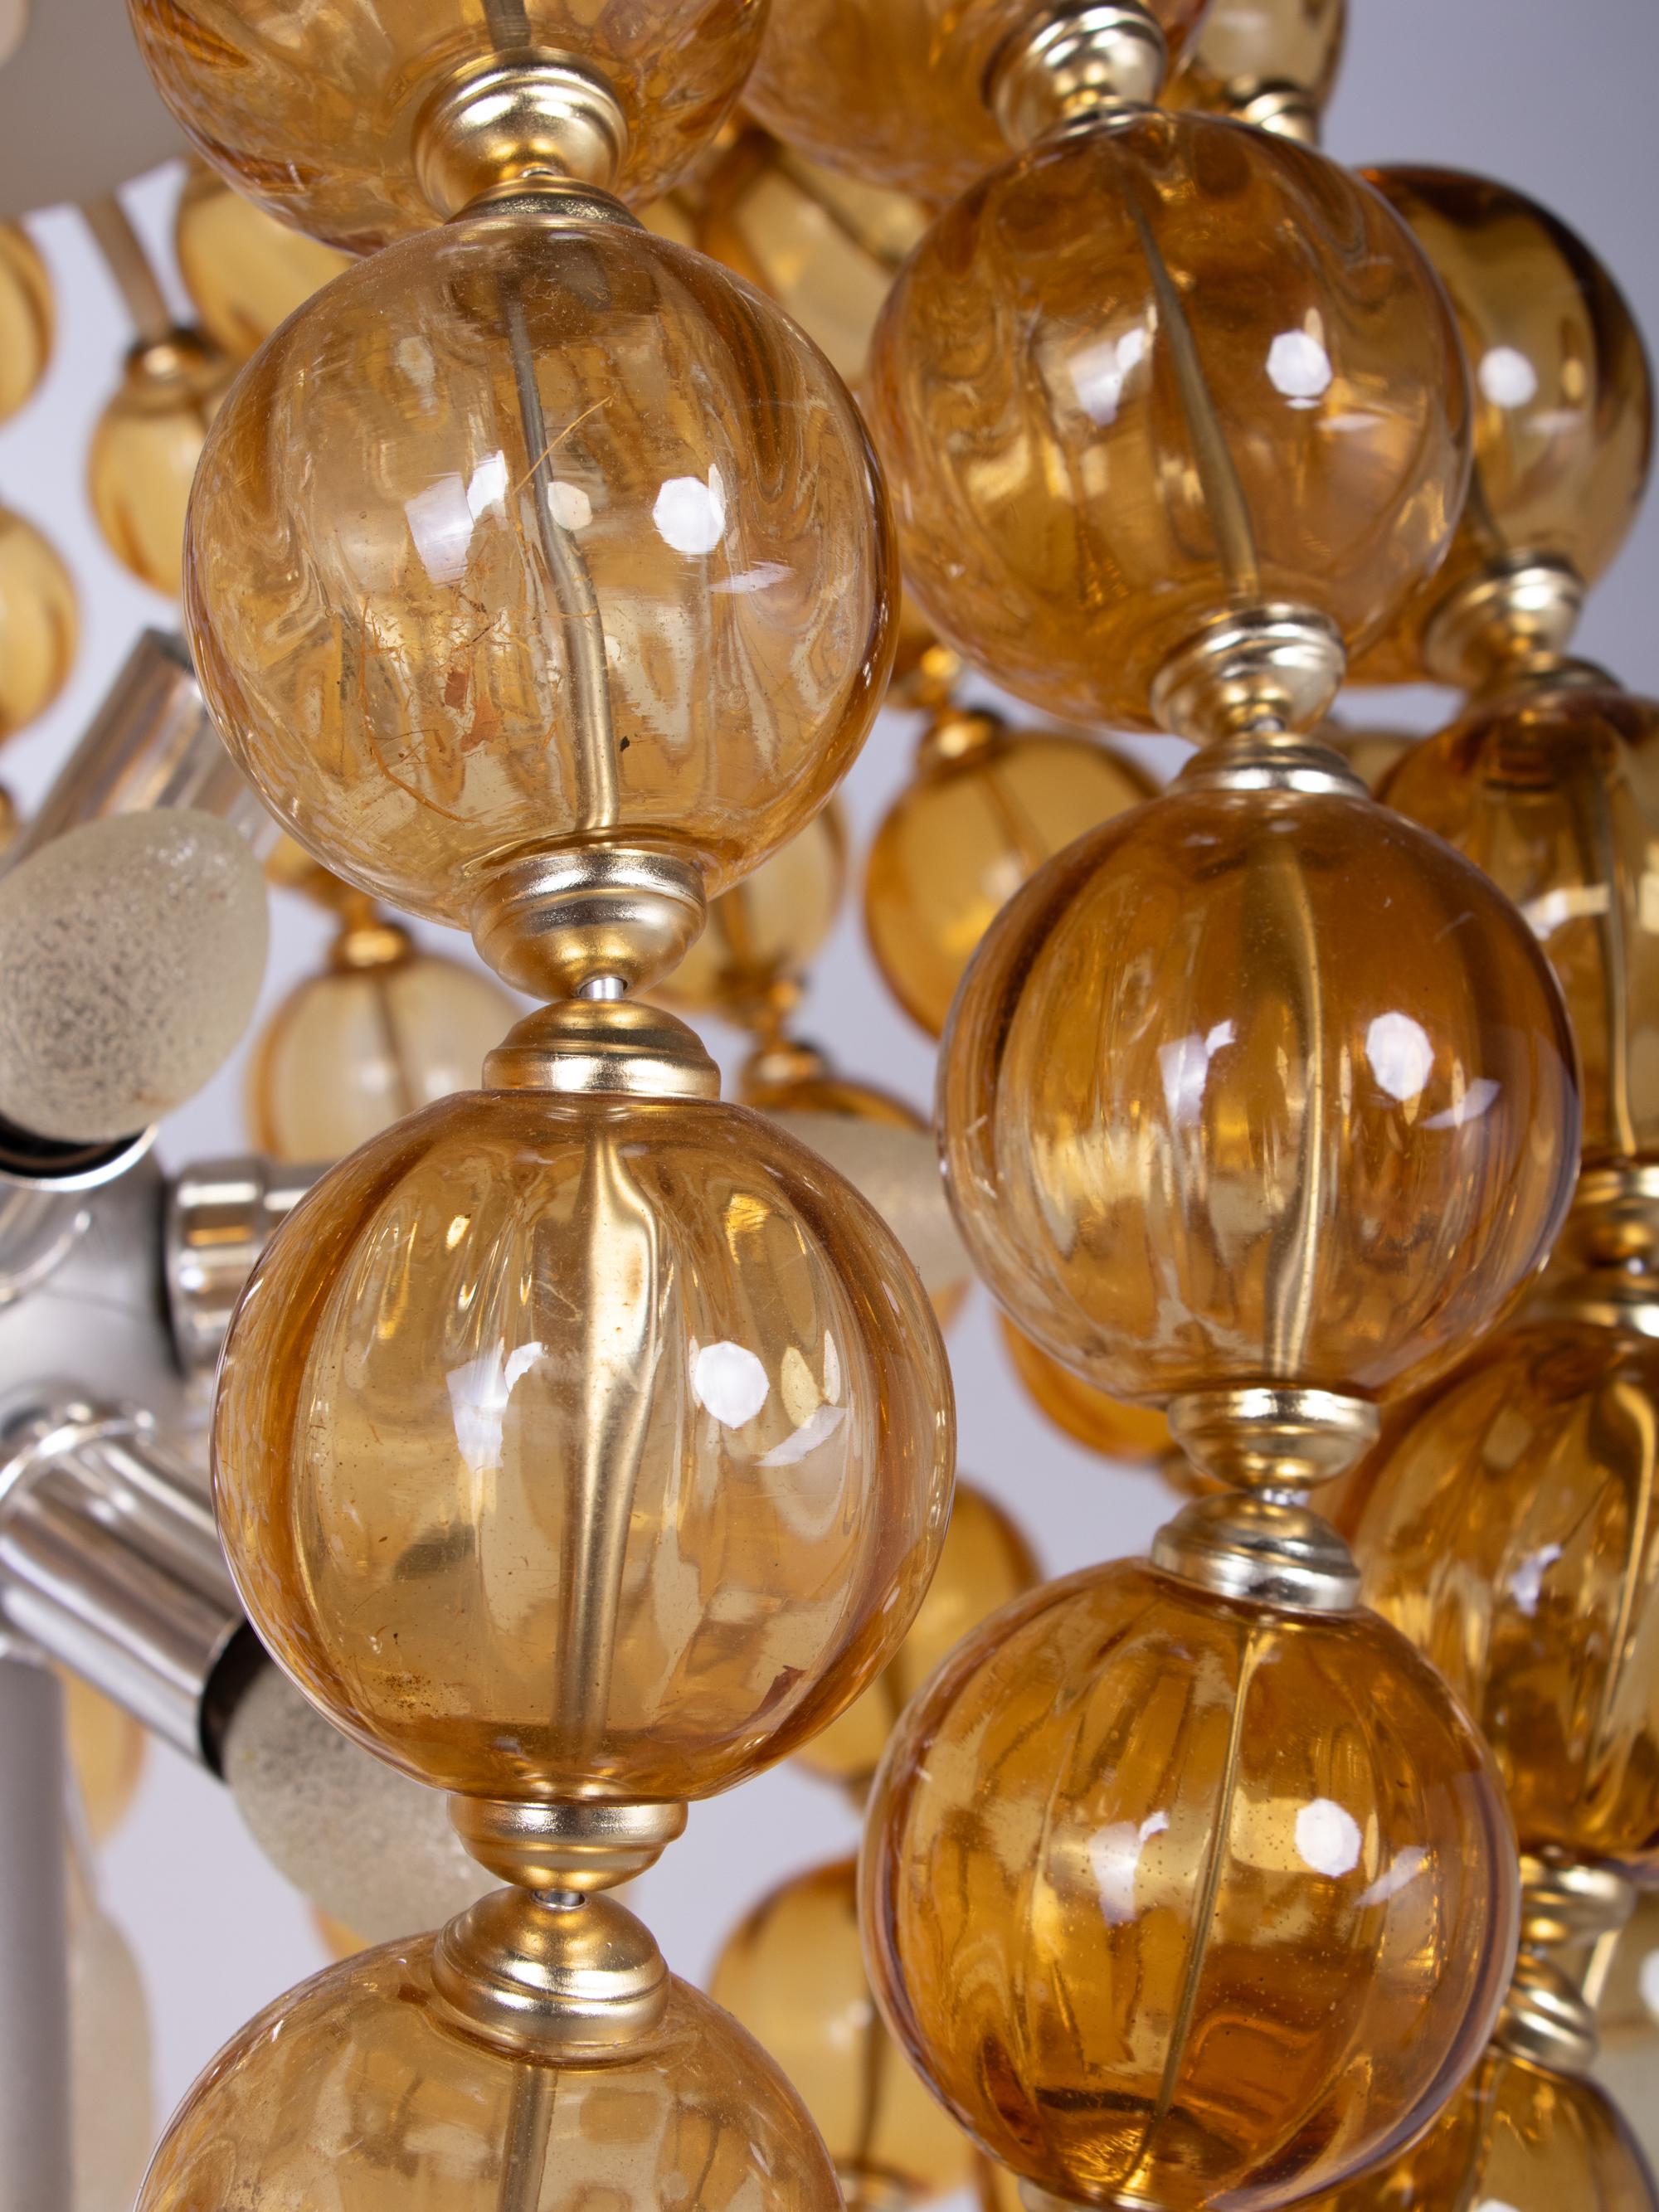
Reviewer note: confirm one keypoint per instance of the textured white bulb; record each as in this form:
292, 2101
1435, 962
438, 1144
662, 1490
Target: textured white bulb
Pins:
370, 1848
131, 955
898, 1170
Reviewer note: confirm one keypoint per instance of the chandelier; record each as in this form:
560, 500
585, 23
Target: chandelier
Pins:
589, 415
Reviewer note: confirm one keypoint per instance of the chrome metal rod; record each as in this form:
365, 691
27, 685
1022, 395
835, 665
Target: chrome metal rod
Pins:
35, 2140
221, 1214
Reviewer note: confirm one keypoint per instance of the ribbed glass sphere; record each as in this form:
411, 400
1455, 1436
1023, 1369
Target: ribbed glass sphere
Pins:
1250, 1087
1187, 1903
314, 114
1510, 1536
987, 806
532, 530
39, 622
1518, 2135
1150, 371
27, 318
1555, 794
985, 1563
576, 1447
793, 1973
367, 1040
1563, 394
144, 449
895, 91
245, 271
352, 2092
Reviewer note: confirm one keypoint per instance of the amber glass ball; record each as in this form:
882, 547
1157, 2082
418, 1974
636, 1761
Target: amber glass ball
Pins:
354, 1048
314, 116
824, 246
351, 2091
1563, 397
106, 1748
1111, 1426
27, 318
1248, 1087
402, 561
1516, 2137
894, 91
793, 1974
245, 271
987, 806
1146, 1871
568, 1446
763, 934
1510, 1536
985, 1563
1150, 370
1556, 795
38, 623
144, 449
1250, 54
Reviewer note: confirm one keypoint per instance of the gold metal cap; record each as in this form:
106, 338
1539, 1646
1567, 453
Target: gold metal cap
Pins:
603, 1047
1272, 1438
377, 943
579, 1844
550, 920
1275, 664
517, 118
1605, 1267
1088, 59
566, 1978
1565, 1905
1519, 612
1284, 111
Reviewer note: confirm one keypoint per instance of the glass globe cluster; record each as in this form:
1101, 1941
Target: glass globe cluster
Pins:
592, 418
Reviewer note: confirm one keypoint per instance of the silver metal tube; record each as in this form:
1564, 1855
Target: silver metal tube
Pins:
151, 744
110, 1563
221, 1214
35, 2156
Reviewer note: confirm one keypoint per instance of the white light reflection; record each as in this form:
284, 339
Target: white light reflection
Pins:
1412, 1862
478, 1395
1507, 378
569, 505
1114, 1857
441, 517
1400, 1056
1481, 1094
1328, 1837
729, 1382
1184, 1066
1299, 366
1100, 371
690, 514
1527, 1583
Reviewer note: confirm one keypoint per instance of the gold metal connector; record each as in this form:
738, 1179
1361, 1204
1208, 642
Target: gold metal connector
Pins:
516, 121
555, 1977
1074, 63
594, 1048
1272, 664
549, 921
579, 1844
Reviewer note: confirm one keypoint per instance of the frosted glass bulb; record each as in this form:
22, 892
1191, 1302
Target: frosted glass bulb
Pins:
132, 950
370, 1849
898, 1170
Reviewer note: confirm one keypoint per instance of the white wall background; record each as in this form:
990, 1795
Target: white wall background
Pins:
1558, 99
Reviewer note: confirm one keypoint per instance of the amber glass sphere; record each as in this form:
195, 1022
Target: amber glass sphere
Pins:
245, 271
1250, 54
894, 91
793, 1974
314, 117
37, 624
367, 1041
107, 1749
576, 1447
824, 246
1147, 1873
761, 935
351, 2092
1516, 2137
394, 609
1148, 371
144, 449
1510, 1535
985, 1563
1563, 399
27, 318
987, 808
1248, 1087
1556, 796
1111, 1426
